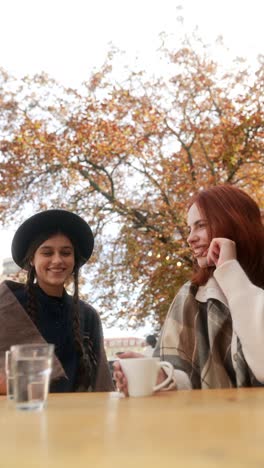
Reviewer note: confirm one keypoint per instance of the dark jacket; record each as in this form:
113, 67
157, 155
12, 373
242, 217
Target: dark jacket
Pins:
16, 327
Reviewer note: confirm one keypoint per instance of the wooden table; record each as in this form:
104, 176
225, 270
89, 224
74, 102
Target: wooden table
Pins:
199, 428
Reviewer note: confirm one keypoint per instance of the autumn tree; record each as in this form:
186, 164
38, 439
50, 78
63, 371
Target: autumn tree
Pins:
127, 156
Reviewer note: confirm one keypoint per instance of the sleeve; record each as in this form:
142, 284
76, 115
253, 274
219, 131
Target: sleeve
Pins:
104, 382
180, 381
246, 303
93, 325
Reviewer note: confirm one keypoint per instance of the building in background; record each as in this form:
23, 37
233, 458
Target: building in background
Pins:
123, 344
8, 269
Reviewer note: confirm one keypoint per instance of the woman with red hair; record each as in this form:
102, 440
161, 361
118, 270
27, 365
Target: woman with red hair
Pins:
214, 331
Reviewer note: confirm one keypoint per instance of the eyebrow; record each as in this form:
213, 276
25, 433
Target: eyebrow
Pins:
51, 247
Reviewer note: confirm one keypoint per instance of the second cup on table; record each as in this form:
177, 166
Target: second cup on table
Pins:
31, 366
142, 373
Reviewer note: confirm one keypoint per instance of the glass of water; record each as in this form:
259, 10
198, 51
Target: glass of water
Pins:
9, 376
32, 366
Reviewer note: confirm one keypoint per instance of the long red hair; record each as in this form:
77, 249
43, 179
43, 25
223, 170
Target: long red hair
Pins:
233, 214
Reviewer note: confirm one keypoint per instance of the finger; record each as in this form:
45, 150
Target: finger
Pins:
116, 366
212, 259
130, 354
213, 253
118, 376
121, 384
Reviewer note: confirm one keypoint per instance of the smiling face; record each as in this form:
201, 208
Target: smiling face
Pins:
198, 238
54, 263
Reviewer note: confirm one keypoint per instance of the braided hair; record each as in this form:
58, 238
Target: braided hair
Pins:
84, 374
31, 298
86, 363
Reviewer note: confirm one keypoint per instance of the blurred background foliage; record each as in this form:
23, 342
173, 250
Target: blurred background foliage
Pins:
126, 150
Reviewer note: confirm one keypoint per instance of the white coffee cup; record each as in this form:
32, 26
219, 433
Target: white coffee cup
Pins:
142, 373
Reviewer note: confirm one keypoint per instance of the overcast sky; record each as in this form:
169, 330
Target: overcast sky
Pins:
66, 38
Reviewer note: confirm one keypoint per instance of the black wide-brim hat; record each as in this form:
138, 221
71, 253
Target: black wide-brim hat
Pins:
52, 221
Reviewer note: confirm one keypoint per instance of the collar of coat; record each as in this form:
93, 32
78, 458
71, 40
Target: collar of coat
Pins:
16, 327
211, 290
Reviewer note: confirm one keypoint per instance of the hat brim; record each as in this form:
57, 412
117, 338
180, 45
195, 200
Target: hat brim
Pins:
52, 221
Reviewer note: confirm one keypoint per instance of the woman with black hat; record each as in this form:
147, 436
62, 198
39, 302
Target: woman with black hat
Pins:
52, 246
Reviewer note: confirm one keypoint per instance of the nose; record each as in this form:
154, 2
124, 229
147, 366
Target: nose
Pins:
192, 237
56, 258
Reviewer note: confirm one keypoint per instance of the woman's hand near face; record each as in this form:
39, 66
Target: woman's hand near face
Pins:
221, 250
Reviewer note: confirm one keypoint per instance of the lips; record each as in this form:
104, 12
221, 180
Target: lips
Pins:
200, 251
61, 270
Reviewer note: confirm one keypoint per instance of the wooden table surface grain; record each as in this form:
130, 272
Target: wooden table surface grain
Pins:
188, 429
